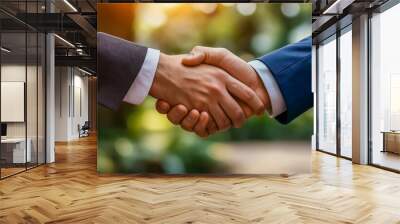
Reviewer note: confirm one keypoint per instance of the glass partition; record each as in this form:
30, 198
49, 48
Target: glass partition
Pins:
15, 150
23, 91
327, 95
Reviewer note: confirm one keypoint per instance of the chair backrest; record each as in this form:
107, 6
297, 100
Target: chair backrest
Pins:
86, 124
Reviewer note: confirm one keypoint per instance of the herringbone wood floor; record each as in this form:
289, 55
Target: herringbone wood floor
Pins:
70, 191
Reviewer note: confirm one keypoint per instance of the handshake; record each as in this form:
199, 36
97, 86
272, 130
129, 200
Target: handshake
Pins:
208, 90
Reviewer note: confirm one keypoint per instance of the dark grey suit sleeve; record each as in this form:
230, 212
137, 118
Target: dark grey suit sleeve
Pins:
118, 63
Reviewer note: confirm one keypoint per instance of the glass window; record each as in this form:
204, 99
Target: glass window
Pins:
346, 94
327, 96
385, 89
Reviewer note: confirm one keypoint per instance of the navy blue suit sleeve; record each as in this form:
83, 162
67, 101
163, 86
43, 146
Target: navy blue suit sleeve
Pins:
291, 68
118, 63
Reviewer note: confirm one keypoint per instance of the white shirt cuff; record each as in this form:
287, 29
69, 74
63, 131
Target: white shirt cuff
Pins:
278, 105
141, 86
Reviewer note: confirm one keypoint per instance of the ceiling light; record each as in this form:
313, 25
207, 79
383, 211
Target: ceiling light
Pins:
5, 50
84, 71
338, 6
65, 41
70, 5
333, 6
79, 51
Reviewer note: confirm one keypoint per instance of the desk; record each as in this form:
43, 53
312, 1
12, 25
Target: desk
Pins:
13, 150
391, 141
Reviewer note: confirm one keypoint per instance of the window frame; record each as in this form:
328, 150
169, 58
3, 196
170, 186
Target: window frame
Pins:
333, 37
378, 10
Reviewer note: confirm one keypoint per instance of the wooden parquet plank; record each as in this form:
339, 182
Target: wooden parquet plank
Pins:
70, 191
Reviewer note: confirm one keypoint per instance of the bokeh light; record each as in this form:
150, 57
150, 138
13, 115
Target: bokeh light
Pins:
262, 42
246, 9
207, 8
157, 18
290, 9
124, 147
156, 142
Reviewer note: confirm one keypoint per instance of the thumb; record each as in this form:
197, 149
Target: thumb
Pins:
193, 59
162, 107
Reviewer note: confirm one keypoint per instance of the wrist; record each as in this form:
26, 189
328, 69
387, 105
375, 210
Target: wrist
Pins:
261, 91
160, 76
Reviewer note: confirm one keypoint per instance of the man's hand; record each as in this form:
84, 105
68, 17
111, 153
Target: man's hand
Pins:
232, 64
193, 122
205, 88
235, 66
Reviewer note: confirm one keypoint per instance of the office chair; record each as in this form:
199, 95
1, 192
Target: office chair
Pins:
84, 130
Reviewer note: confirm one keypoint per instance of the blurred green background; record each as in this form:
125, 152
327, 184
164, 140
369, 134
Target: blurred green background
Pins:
136, 139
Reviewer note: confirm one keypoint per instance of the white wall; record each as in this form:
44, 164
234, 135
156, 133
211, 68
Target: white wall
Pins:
33, 126
80, 112
62, 81
71, 94
12, 73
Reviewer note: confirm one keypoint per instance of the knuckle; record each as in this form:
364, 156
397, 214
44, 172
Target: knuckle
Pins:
215, 90
247, 96
188, 120
235, 84
194, 114
182, 109
191, 119
261, 108
162, 107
